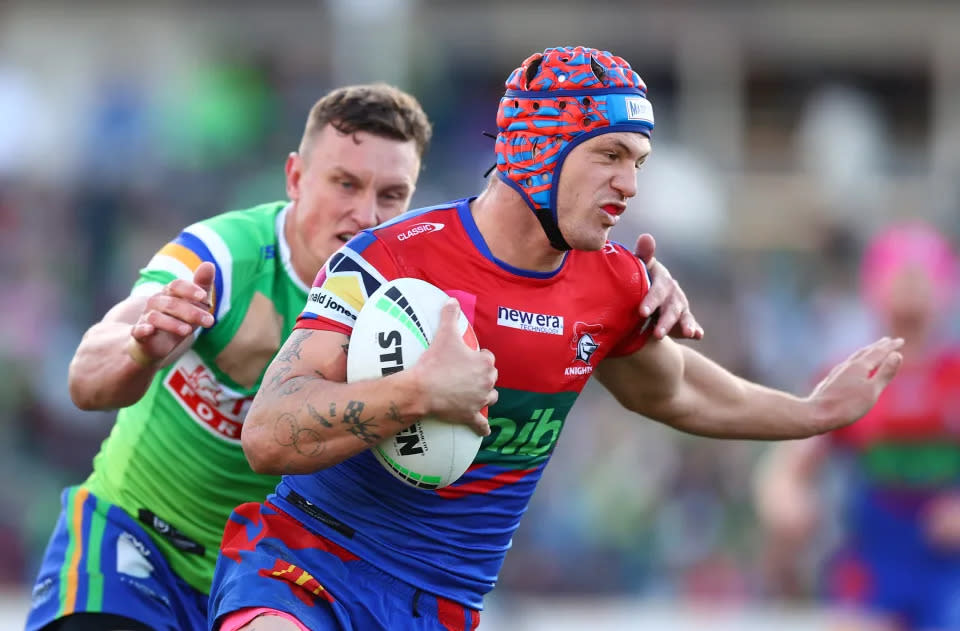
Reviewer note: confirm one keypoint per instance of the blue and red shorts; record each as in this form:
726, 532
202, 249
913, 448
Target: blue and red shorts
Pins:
100, 560
269, 559
889, 567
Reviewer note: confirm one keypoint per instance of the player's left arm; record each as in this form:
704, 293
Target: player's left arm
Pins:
680, 387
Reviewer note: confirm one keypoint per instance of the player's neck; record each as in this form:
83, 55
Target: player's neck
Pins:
512, 232
304, 265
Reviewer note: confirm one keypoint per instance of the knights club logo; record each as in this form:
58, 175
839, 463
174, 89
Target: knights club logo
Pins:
584, 342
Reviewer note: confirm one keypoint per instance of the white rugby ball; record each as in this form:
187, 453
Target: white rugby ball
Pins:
394, 327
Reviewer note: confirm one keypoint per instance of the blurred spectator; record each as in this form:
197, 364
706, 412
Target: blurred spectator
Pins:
899, 565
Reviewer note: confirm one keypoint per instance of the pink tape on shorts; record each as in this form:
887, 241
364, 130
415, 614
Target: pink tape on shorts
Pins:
237, 619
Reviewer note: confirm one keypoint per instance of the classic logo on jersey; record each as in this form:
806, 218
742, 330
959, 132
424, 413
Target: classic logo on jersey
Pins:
584, 345
215, 407
420, 228
342, 288
529, 321
609, 248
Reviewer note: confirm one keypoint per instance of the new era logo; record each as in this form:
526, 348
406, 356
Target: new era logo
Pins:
528, 321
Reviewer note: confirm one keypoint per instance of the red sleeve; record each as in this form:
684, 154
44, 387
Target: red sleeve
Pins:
345, 283
638, 286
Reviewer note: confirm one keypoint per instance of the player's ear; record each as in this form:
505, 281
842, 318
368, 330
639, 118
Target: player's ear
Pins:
293, 170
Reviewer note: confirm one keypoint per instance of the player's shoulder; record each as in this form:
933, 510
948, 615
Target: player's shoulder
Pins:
615, 263
239, 234
419, 222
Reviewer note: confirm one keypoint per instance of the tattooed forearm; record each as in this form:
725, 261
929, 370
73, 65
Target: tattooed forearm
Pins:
288, 433
393, 414
278, 374
291, 348
320, 418
358, 426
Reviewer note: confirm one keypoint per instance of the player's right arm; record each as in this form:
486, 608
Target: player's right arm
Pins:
305, 417
118, 356
682, 388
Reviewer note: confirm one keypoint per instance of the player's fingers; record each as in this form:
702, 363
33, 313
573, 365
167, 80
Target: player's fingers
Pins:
142, 330
186, 311
185, 289
203, 278
662, 286
645, 248
164, 322
887, 369
689, 327
493, 397
861, 352
876, 352
480, 424
449, 314
670, 315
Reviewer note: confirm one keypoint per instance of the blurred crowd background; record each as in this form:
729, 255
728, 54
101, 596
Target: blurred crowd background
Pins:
787, 132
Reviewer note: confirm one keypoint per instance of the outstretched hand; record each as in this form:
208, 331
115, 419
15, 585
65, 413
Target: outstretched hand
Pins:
674, 318
172, 315
854, 385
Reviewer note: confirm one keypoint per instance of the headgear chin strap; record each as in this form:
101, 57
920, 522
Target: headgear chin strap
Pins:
554, 101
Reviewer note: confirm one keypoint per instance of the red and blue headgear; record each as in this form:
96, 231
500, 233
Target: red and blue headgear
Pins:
554, 101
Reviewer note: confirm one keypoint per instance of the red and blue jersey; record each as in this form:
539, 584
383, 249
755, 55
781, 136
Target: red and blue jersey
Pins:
911, 438
547, 331
906, 455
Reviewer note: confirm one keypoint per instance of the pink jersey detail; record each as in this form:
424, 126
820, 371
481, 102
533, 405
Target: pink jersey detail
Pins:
237, 619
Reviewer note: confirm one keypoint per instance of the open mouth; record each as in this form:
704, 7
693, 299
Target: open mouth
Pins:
614, 209
346, 236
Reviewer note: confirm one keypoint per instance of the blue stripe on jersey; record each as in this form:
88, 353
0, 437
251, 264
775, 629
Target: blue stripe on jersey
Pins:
466, 218
195, 244
361, 241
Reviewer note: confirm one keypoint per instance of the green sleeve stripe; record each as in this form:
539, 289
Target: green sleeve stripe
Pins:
94, 573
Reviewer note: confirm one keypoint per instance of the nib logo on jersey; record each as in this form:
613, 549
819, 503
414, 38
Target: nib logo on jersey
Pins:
215, 407
524, 428
584, 344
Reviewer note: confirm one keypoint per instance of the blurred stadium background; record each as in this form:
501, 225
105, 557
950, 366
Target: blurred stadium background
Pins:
786, 132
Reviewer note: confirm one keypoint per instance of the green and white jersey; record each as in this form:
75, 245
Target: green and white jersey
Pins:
173, 460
